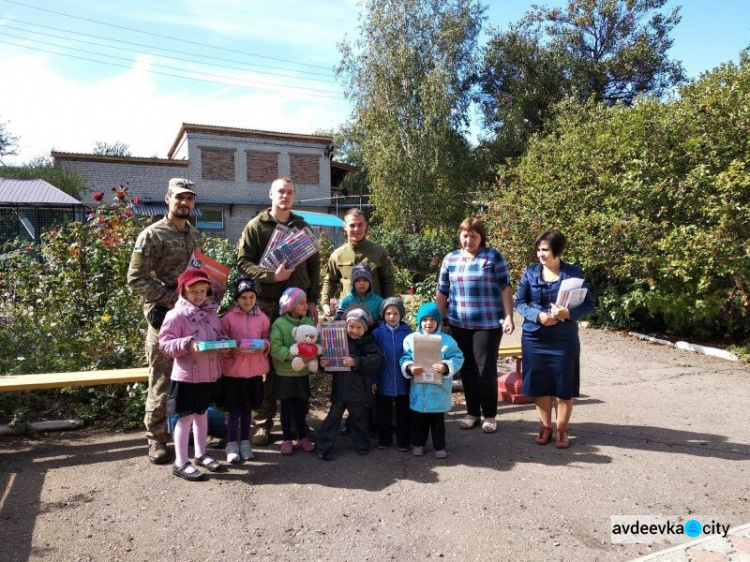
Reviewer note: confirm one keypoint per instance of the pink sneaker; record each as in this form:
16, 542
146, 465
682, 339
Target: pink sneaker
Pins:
287, 448
306, 445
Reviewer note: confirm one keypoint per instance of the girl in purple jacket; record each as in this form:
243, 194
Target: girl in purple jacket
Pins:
194, 373
243, 370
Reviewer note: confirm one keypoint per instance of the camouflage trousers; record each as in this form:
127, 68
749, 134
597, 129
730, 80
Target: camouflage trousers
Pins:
159, 372
264, 415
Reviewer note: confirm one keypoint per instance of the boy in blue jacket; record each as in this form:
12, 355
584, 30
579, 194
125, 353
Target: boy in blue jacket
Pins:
390, 386
429, 402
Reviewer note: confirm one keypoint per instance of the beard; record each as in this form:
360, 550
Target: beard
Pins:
181, 212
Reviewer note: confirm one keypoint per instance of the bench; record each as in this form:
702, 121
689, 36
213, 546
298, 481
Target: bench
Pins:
513, 351
10, 383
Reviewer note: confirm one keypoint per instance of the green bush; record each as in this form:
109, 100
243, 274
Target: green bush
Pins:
417, 257
655, 201
66, 307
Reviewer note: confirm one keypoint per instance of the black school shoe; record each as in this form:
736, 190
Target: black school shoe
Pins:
209, 463
192, 476
324, 455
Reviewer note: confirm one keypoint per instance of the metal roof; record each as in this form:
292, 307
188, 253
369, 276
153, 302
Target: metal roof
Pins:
151, 209
33, 192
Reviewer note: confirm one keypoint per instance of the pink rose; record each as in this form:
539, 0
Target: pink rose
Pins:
136, 200
98, 196
128, 213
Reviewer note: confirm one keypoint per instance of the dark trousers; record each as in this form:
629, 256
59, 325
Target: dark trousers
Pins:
422, 424
293, 409
359, 424
479, 371
384, 420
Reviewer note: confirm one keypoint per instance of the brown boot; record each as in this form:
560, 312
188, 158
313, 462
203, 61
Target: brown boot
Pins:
262, 436
157, 453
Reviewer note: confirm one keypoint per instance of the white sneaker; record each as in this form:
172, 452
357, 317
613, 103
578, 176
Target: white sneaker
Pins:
246, 451
442, 454
233, 453
417, 451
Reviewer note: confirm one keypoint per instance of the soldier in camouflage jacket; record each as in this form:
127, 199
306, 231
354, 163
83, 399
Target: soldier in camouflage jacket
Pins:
161, 254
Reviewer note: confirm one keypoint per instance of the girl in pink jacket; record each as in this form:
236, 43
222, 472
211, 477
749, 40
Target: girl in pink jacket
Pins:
243, 370
194, 373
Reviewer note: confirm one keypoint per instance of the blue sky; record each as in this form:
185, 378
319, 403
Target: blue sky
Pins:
79, 71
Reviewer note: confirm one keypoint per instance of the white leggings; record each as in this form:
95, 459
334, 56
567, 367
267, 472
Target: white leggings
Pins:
182, 434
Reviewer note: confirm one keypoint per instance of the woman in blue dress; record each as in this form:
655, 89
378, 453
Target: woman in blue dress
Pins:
549, 343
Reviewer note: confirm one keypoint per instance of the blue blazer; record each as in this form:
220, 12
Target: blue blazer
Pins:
533, 296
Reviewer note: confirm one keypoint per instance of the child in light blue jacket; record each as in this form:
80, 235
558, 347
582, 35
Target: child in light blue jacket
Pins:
361, 295
429, 402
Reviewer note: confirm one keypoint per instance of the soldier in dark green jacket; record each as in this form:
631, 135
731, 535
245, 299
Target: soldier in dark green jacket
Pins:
271, 284
357, 249
160, 255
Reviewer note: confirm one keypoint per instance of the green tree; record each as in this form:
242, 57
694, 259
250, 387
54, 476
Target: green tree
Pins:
348, 149
69, 181
608, 50
7, 142
409, 75
655, 199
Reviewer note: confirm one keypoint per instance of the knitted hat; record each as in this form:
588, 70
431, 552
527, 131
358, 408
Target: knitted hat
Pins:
357, 314
393, 301
361, 271
429, 309
192, 276
242, 285
289, 299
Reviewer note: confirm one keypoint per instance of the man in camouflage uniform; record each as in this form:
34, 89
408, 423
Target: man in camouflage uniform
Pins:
161, 254
271, 284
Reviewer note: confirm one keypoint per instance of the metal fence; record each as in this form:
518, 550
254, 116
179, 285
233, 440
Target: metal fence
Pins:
28, 223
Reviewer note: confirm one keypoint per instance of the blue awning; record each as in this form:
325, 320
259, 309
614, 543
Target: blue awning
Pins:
320, 219
151, 209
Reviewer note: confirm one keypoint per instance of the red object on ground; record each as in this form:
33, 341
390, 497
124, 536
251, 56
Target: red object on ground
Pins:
509, 388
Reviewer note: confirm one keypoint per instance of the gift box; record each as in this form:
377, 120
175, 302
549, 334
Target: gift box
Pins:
216, 345
252, 345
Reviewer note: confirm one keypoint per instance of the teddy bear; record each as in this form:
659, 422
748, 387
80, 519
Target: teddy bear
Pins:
307, 349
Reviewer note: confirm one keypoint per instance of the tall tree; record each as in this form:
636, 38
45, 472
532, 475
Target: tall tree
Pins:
409, 75
610, 51
7, 143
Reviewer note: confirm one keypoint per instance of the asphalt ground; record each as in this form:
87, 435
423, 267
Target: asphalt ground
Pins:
658, 431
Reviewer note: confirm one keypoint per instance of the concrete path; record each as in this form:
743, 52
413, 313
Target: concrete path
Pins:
659, 431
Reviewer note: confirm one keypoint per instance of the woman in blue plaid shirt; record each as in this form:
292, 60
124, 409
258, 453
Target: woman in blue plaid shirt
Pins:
474, 289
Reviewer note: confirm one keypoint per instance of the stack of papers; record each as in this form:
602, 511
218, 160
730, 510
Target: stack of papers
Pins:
572, 293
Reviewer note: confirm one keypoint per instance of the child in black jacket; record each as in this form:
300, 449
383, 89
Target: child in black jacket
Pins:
352, 390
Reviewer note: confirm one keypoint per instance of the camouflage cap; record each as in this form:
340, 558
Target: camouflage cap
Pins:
181, 185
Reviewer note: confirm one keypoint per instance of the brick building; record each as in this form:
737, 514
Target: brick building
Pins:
232, 169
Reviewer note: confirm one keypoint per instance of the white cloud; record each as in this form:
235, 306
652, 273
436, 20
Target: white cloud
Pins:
47, 110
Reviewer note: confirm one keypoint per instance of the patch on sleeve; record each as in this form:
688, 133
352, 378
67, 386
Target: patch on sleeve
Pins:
138, 249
